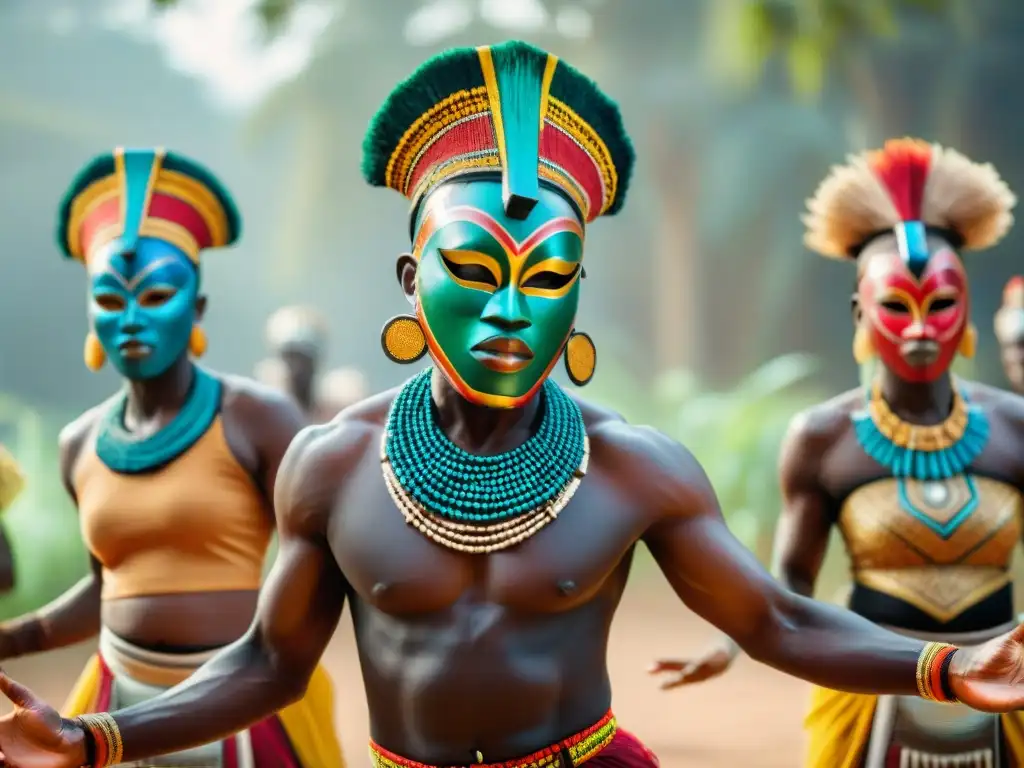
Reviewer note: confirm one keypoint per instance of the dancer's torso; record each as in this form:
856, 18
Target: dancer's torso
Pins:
181, 547
502, 653
932, 556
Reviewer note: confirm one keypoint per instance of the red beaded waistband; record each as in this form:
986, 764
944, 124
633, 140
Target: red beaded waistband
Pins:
579, 748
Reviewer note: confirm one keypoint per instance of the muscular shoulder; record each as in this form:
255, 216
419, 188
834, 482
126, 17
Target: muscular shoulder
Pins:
998, 403
74, 438
813, 434
321, 458
594, 416
660, 474
268, 419
249, 400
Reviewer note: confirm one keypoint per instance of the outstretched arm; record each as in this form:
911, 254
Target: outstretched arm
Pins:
268, 668
299, 608
721, 580
75, 615
801, 539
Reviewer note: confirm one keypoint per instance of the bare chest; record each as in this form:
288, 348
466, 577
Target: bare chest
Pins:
398, 570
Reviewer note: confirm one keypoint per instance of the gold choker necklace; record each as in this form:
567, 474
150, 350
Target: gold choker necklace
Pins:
918, 437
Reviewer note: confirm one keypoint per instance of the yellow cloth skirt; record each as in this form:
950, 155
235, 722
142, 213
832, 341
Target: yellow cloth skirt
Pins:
839, 726
308, 724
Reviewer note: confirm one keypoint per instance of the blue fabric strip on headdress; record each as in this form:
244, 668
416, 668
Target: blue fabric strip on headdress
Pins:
520, 77
912, 240
139, 165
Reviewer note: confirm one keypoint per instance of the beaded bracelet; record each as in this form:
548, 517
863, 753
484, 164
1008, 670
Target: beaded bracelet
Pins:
933, 673
103, 735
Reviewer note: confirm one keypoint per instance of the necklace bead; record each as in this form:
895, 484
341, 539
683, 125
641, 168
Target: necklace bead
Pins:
922, 452
481, 504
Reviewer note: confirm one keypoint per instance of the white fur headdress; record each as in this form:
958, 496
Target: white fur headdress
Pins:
907, 180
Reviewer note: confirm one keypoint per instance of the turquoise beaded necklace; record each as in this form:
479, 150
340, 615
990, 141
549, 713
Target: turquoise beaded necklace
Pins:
455, 485
963, 439
122, 452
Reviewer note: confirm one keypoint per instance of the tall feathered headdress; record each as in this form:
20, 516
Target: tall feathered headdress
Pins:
908, 181
510, 110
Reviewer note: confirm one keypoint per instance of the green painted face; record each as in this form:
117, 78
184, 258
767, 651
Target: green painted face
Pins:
496, 296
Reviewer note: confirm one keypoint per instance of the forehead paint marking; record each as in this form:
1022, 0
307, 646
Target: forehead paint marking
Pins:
514, 248
133, 283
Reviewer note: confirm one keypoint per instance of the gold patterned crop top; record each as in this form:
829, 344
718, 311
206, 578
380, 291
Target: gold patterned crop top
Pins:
941, 546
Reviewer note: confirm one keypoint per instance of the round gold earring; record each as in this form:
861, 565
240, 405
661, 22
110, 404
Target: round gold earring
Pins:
93, 353
969, 342
197, 341
580, 358
403, 340
863, 349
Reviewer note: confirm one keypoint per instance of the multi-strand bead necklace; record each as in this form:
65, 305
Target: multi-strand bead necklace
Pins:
481, 504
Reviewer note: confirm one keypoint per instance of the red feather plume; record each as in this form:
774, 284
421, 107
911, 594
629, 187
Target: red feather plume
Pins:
902, 165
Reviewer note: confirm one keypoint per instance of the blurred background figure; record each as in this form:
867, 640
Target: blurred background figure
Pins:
296, 337
1010, 332
338, 389
12, 482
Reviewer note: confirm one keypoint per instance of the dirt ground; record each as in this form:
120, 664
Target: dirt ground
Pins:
751, 717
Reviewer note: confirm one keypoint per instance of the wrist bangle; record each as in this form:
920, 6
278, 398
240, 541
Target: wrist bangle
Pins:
933, 681
101, 729
88, 740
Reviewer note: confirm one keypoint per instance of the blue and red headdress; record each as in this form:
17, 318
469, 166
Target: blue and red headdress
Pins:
510, 109
908, 187
131, 193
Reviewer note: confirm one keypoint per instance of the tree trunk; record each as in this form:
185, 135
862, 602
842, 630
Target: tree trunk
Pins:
675, 276
304, 192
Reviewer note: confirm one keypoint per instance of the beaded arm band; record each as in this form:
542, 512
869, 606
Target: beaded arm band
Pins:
102, 739
933, 673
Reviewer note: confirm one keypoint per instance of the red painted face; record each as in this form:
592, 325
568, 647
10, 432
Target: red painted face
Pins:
916, 324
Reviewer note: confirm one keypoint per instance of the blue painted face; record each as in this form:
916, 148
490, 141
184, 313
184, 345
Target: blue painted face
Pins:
143, 308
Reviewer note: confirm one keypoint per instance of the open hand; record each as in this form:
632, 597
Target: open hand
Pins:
34, 735
679, 672
990, 677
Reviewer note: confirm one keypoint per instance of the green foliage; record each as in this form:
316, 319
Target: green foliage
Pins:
735, 434
274, 14
42, 524
808, 34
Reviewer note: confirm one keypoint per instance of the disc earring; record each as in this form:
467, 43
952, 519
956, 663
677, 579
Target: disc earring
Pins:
863, 349
403, 340
197, 341
580, 358
93, 353
969, 342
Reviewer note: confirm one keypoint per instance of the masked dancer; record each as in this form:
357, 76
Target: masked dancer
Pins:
296, 336
1009, 326
921, 472
479, 519
173, 476
12, 483
339, 389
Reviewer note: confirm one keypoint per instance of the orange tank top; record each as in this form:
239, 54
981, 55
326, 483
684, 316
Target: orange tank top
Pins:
197, 524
